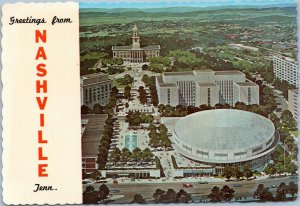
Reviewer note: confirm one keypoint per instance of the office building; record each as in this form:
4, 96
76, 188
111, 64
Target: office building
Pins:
293, 102
91, 133
95, 89
286, 69
205, 87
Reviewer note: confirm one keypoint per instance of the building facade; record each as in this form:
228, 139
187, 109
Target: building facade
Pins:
286, 69
95, 89
205, 87
135, 53
91, 135
293, 102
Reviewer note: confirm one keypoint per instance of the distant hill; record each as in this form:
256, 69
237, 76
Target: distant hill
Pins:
185, 9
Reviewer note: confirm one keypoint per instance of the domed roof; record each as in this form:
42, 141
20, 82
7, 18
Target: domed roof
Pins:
224, 129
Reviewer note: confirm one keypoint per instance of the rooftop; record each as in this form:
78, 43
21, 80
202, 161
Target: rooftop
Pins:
207, 84
162, 84
178, 73
88, 76
224, 130
229, 72
92, 134
151, 47
245, 84
121, 47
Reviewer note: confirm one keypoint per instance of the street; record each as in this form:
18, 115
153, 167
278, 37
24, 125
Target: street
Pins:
198, 191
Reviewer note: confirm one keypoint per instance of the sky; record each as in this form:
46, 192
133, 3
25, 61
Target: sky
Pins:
175, 3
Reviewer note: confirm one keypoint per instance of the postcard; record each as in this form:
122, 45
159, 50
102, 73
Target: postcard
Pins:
145, 102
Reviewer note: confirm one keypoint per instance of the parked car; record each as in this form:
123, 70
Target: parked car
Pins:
187, 185
114, 190
237, 185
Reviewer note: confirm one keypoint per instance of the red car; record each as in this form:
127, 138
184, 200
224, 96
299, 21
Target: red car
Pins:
187, 185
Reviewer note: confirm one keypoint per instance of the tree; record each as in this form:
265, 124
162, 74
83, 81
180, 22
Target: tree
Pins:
248, 171
103, 192
90, 196
138, 198
291, 167
115, 155
169, 196
166, 142
158, 194
147, 155
154, 142
85, 109
292, 188
183, 197
215, 195
152, 127
238, 174
136, 154
126, 155
288, 119
97, 109
228, 172
263, 193
127, 93
281, 192
227, 193
270, 170
96, 175
145, 67
162, 128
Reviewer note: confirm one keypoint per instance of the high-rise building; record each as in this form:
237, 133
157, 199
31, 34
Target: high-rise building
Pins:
95, 89
206, 87
135, 53
286, 69
293, 102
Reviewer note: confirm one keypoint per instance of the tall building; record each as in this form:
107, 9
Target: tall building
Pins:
286, 69
135, 53
91, 135
206, 87
95, 89
293, 102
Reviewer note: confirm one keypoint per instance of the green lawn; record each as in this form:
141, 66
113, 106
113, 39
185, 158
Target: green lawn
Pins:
295, 133
118, 85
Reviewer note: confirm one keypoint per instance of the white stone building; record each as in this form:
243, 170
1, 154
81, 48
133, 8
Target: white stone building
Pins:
205, 87
286, 69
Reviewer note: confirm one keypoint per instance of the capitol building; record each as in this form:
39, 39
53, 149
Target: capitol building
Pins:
135, 53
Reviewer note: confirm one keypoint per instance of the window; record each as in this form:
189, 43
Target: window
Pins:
169, 96
257, 149
240, 153
208, 96
249, 95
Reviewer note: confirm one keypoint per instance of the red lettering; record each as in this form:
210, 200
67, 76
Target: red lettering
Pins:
42, 170
40, 36
41, 157
42, 104
41, 70
41, 53
40, 86
40, 137
42, 120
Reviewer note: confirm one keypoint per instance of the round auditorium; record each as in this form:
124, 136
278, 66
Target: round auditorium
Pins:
225, 137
